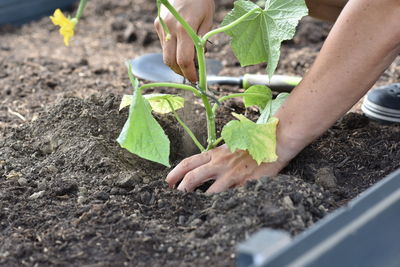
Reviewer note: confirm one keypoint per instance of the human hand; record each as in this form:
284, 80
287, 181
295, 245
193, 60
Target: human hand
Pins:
226, 168
178, 52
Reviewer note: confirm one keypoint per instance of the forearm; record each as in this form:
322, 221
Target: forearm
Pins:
361, 45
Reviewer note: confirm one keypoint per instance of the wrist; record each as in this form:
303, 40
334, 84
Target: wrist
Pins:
288, 145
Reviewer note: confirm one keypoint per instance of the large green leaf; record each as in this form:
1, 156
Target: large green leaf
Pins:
142, 134
258, 38
258, 139
264, 95
272, 107
158, 102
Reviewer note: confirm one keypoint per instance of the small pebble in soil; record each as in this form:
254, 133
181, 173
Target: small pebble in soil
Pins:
170, 250
114, 191
323, 209
41, 185
36, 195
109, 103
298, 223
231, 203
146, 180
181, 220
161, 204
326, 178
22, 181
128, 180
287, 202
81, 199
102, 195
145, 198
66, 188
196, 222
82, 191
296, 197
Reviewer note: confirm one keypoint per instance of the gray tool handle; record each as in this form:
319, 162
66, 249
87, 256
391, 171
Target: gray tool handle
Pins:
280, 83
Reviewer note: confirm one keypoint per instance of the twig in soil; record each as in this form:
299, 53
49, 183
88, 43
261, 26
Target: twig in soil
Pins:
16, 114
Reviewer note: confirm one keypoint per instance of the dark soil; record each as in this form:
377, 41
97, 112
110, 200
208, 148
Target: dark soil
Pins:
70, 196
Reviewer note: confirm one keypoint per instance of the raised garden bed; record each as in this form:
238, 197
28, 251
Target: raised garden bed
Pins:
70, 195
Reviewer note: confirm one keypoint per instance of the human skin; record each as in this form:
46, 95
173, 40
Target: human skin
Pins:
178, 52
363, 42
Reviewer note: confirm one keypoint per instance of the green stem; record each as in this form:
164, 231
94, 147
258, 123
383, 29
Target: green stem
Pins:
222, 99
186, 128
172, 85
163, 25
219, 140
81, 7
200, 53
211, 129
229, 26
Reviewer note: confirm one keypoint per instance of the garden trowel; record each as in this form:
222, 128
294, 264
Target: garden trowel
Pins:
152, 68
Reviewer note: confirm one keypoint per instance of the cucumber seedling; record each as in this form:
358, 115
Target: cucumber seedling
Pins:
256, 36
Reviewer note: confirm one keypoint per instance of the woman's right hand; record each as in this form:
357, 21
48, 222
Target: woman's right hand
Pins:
178, 52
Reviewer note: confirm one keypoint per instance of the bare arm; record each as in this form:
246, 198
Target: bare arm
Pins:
361, 45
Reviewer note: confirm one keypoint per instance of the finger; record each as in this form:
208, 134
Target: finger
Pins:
169, 54
223, 183
196, 177
186, 166
185, 57
205, 27
159, 30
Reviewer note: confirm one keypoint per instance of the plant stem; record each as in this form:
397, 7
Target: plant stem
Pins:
219, 140
229, 26
186, 128
81, 7
171, 85
211, 129
222, 99
163, 25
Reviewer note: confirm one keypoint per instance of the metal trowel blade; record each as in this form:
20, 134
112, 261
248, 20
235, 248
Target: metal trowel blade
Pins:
151, 67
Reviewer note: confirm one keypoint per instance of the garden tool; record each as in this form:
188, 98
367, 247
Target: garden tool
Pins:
152, 68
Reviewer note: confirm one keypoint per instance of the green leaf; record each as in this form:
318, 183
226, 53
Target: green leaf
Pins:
257, 100
132, 78
159, 102
142, 134
258, 139
272, 107
258, 38
126, 101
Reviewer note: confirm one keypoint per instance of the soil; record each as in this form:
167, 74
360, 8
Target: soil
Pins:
70, 196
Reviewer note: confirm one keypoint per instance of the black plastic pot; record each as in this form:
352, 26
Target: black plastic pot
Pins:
21, 11
366, 232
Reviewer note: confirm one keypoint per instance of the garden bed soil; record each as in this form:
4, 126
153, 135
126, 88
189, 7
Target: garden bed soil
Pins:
70, 196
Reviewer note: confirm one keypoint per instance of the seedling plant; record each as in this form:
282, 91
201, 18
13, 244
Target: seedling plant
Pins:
256, 35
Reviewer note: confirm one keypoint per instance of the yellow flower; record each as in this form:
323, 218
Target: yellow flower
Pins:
66, 25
